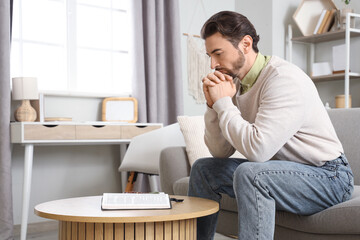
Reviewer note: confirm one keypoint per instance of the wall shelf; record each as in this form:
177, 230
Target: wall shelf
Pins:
326, 37
335, 77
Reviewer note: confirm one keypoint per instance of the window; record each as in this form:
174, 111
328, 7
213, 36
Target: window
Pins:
73, 46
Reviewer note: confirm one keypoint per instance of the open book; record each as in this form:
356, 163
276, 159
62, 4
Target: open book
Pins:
113, 201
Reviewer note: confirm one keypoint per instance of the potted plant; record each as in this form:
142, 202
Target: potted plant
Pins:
343, 12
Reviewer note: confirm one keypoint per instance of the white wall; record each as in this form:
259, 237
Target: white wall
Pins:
62, 172
261, 19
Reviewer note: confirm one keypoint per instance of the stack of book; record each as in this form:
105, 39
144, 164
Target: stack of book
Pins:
326, 21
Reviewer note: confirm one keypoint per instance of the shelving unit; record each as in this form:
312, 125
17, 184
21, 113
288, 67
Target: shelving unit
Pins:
346, 34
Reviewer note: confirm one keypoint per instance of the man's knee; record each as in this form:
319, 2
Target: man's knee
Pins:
246, 172
201, 163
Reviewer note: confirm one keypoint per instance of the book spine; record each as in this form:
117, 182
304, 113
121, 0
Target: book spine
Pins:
329, 21
322, 15
321, 28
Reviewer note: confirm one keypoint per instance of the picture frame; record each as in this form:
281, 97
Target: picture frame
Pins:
120, 109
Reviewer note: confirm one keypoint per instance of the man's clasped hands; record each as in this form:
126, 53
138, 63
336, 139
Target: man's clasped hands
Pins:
217, 85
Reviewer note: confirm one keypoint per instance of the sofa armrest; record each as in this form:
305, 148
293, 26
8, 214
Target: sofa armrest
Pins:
174, 164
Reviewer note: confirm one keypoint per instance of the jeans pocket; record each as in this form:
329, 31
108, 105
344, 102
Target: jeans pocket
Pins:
331, 169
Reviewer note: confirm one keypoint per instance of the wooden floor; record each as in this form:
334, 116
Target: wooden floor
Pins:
52, 235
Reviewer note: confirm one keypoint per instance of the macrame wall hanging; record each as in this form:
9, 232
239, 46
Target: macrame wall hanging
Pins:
198, 66
198, 63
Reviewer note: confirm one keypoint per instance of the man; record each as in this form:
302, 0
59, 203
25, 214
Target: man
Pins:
268, 110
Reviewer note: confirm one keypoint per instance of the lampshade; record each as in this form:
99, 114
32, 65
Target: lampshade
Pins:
24, 88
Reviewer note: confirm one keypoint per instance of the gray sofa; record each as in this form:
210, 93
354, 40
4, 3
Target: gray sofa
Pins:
340, 222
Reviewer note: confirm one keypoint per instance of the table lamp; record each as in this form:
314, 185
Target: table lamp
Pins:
25, 89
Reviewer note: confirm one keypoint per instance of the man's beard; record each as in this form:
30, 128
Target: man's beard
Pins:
236, 66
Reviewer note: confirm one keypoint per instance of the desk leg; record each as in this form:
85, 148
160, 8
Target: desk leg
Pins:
122, 173
154, 185
29, 151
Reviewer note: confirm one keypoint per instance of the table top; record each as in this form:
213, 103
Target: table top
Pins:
88, 209
79, 133
85, 123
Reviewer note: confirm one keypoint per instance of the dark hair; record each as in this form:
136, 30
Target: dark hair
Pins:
233, 26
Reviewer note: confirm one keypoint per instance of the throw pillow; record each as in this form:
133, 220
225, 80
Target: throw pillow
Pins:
193, 129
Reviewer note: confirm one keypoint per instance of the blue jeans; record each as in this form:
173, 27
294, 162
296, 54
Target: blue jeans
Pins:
262, 188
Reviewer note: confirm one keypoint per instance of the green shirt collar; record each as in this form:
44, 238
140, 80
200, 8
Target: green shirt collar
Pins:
250, 78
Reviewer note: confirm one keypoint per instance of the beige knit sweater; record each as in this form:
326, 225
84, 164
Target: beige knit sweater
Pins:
281, 117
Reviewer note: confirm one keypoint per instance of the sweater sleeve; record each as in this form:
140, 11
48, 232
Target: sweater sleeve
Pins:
280, 114
215, 141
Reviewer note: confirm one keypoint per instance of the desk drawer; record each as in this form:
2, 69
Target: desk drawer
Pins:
128, 132
97, 132
49, 132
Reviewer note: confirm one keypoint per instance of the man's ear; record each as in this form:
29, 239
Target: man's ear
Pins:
246, 44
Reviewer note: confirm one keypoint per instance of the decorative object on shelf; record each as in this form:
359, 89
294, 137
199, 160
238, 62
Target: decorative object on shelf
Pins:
327, 106
338, 58
25, 89
310, 15
120, 109
321, 69
343, 12
340, 101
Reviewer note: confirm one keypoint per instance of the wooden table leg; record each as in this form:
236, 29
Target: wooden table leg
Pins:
182, 229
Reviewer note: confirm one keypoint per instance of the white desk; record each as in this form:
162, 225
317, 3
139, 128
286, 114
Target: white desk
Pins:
70, 133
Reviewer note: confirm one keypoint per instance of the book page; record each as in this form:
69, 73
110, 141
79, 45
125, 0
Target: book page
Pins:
135, 201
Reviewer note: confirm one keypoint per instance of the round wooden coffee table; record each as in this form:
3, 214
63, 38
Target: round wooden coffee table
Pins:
82, 218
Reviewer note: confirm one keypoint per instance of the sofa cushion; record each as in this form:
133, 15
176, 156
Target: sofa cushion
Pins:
181, 186
342, 218
228, 203
193, 129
